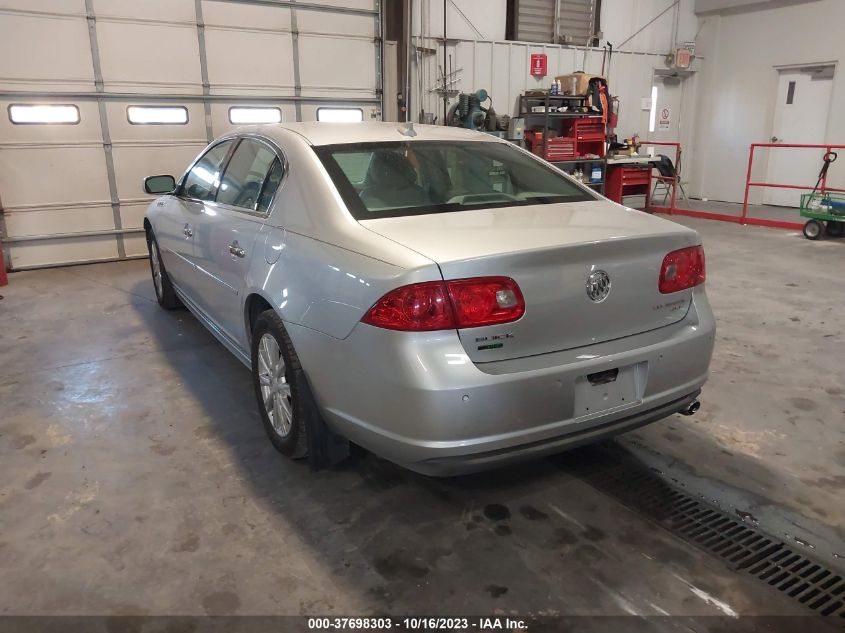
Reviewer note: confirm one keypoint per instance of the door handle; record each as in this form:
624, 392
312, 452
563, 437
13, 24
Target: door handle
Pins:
188, 231
236, 250
775, 139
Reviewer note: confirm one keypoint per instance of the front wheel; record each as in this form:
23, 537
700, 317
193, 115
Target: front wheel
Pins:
836, 229
274, 370
813, 229
165, 294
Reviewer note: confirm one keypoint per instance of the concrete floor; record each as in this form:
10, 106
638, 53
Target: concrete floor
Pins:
135, 477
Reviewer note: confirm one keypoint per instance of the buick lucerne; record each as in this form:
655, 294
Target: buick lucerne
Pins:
438, 296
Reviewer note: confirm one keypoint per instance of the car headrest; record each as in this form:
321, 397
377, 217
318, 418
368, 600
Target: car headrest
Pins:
389, 169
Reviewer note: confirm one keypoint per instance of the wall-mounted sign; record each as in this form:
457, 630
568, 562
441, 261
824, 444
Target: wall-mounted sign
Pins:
539, 64
665, 120
683, 58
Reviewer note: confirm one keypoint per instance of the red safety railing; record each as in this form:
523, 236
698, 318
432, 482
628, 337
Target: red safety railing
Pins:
744, 219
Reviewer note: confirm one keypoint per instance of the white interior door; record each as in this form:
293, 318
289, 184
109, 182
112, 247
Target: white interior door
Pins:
667, 121
802, 105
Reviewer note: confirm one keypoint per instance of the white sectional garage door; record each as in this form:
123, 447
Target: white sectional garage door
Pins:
70, 190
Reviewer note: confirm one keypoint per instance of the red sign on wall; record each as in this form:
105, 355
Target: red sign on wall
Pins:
539, 64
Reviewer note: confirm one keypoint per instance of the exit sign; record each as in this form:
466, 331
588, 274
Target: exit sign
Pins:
539, 64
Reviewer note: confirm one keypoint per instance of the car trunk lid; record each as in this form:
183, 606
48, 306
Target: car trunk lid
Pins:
551, 251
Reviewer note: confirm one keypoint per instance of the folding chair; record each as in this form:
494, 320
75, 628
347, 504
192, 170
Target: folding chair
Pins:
668, 177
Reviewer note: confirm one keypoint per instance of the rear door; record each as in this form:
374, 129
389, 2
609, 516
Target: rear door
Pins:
225, 243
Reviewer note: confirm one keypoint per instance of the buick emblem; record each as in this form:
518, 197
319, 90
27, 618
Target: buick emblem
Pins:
598, 286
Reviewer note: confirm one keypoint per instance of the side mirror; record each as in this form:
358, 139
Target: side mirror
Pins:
158, 185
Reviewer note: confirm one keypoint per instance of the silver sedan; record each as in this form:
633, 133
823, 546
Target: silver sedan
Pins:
438, 296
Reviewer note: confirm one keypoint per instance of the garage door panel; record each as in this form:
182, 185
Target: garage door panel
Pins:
132, 215
139, 56
54, 6
62, 251
27, 64
353, 71
172, 10
57, 180
134, 163
336, 24
122, 130
86, 131
60, 220
235, 15
264, 60
135, 244
34, 176
368, 5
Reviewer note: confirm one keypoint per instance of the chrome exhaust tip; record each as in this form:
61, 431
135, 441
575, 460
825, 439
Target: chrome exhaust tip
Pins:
691, 408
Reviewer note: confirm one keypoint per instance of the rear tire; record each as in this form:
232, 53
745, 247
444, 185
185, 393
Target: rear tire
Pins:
836, 229
813, 229
165, 294
274, 378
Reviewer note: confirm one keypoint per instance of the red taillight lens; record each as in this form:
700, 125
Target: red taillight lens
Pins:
439, 305
486, 301
682, 269
417, 307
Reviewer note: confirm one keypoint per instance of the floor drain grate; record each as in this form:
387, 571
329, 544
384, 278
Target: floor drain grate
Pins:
615, 472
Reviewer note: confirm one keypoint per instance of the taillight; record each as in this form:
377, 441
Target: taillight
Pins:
486, 301
418, 307
446, 305
682, 269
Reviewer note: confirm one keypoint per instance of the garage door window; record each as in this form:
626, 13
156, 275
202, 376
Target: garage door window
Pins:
157, 115
246, 174
32, 113
340, 115
202, 181
247, 115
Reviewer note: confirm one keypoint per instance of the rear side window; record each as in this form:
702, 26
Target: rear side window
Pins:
268, 190
202, 181
245, 174
398, 178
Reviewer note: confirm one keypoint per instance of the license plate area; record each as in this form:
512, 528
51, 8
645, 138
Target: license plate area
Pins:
602, 392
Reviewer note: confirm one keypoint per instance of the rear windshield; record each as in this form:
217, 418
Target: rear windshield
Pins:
381, 180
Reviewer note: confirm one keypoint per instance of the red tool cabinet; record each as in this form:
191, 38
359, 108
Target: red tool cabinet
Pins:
627, 181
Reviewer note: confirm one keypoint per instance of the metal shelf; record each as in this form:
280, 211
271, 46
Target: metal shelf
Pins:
544, 97
578, 160
560, 115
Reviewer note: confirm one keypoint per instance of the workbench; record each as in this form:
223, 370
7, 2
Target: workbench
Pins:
629, 176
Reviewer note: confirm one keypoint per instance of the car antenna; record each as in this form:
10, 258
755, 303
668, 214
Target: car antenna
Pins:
407, 129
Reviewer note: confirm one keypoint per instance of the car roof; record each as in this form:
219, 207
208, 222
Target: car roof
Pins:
325, 133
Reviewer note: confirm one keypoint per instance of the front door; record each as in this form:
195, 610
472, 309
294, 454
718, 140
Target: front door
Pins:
185, 215
174, 241
226, 244
802, 105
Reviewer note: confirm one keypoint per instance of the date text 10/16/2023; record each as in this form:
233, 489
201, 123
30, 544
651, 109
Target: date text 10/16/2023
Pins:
494, 623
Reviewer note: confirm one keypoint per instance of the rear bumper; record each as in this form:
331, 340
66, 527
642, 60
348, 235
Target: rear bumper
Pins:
416, 399
461, 464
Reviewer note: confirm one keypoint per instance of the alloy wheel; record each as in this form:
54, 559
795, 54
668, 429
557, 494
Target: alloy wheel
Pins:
275, 390
156, 269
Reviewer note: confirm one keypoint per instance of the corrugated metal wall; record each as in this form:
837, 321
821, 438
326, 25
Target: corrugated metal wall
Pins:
502, 68
72, 192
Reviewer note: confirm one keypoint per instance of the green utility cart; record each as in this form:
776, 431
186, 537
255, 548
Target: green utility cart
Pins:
825, 210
